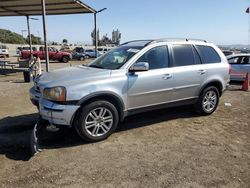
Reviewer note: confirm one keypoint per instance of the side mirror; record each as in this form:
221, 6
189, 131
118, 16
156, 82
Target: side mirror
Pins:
139, 67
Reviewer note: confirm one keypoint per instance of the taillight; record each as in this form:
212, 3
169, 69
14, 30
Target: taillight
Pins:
230, 69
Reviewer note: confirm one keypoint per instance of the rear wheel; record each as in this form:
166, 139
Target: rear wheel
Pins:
208, 101
87, 56
96, 121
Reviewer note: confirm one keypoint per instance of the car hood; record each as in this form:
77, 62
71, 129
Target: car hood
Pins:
71, 76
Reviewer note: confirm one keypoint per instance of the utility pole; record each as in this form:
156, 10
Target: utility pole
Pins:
96, 38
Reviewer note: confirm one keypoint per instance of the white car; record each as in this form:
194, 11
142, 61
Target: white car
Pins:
4, 51
240, 66
102, 50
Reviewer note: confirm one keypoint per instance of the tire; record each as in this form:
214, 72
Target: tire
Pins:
87, 56
90, 123
81, 58
208, 101
65, 59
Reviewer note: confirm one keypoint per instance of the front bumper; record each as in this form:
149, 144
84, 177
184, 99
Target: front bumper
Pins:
56, 114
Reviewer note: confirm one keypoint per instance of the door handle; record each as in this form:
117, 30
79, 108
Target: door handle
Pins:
202, 71
167, 76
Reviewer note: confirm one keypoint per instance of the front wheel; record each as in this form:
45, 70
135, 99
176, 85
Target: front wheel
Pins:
208, 101
65, 59
81, 58
96, 121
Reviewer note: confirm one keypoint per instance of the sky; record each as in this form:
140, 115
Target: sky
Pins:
222, 22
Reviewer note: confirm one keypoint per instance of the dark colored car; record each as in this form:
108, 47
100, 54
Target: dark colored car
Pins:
78, 56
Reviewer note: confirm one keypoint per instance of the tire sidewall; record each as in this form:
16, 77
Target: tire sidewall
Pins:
65, 59
203, 94
80, 125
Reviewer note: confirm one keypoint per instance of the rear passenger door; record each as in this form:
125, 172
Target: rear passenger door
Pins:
189, 73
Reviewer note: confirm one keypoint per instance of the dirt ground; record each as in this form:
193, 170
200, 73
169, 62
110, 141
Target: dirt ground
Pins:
166, 148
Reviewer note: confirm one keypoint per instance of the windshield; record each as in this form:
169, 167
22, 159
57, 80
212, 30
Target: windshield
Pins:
115, 58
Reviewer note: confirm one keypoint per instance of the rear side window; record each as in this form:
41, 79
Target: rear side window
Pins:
183, 55
208, 54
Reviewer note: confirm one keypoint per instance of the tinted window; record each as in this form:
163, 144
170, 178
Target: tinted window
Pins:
208, 54
245, 60
156, 57
234, 60
183, 55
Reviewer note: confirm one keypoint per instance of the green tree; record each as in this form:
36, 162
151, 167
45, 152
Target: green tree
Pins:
34, 39
65, 41
6, 36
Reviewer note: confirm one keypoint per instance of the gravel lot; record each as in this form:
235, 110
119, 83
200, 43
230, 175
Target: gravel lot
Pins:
167, 148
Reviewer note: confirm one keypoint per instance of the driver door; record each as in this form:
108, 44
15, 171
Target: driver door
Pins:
152, 87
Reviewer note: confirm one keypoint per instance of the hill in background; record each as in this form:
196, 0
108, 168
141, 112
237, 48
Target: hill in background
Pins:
7, 36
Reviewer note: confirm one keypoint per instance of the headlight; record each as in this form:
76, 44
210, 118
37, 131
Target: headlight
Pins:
55, 93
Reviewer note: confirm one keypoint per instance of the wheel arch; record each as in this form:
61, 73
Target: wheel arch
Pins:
215, 83
108, 96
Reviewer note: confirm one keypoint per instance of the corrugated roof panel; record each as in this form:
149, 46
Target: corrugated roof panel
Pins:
33, 7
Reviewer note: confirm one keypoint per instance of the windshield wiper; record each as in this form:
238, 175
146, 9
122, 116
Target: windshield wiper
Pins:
96, 66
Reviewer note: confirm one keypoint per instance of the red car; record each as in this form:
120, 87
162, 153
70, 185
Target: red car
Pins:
54, 54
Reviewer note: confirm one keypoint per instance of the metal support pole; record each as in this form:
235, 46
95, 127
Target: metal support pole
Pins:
30, 40
96, 39
45, 35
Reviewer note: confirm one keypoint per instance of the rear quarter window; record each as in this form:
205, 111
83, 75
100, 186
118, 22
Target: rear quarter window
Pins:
208, 54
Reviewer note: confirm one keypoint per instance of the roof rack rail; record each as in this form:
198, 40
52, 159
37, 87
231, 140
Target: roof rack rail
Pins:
148, 42
176, 39
196, 40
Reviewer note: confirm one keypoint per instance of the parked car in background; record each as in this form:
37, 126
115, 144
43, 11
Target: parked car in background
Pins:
102, 50
54, 54
78, 56
91, 53
79, 50
4, 51
227, 52
240, 64
135, 77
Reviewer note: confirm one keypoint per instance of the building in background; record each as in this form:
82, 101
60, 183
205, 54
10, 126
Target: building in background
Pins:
116, 37
105, 40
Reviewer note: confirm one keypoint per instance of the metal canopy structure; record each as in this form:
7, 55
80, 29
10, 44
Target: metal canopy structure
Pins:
33, 7
42, 8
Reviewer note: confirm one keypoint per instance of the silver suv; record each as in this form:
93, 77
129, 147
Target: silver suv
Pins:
136, 76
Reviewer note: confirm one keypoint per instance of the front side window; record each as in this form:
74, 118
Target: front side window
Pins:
156, 57
183, 55
116, 58
208, 54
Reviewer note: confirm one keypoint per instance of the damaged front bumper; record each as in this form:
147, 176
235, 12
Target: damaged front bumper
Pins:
54, 113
